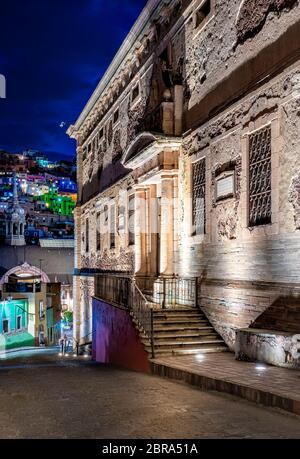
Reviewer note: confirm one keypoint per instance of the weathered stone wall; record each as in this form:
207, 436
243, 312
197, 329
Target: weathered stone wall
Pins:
120, 258
275, 348
237, 30
230, 251
101, 155
240, 71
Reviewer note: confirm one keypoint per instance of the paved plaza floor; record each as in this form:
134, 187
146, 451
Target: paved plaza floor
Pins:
44, 396
266, 384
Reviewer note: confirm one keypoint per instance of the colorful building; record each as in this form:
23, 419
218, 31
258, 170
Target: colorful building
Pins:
61, 205
14, 324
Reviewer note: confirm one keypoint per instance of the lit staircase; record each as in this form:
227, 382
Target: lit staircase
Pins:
181, 331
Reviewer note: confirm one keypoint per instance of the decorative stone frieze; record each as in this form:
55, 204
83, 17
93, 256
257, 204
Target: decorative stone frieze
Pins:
294, 198
107, 260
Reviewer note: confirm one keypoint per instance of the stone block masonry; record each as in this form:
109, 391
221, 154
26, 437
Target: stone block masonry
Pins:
214, 83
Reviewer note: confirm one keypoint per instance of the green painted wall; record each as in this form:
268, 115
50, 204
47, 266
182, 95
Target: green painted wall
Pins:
61, 205
10, 310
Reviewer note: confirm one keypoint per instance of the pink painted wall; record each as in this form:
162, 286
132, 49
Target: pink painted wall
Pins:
115, 339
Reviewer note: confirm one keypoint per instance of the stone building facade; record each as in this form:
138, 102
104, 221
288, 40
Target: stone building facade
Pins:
200, 108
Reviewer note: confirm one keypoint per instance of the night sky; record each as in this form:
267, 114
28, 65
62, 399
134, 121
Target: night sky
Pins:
52, 54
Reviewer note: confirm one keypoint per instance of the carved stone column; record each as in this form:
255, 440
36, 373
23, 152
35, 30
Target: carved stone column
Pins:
178, 109
167, 226
152, 230
140, 231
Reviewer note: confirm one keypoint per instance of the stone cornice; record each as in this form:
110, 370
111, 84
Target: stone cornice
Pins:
133, 53
125, 49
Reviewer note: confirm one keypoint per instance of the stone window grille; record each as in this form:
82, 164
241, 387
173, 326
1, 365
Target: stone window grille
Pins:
199, 200
131, 222
260, 177
113, 226
98, 232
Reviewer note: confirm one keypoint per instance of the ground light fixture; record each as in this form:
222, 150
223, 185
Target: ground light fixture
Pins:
200, 357
260, 367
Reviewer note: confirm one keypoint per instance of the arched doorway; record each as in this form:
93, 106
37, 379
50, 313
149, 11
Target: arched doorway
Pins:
25, 270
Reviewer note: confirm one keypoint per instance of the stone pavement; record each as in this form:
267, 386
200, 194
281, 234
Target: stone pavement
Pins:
263, 384
47, 397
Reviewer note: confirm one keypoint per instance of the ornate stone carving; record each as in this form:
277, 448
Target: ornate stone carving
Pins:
135, 117
227, 223
117, 148
294, 199
227, 211
253, 13
86, 294
109, 261
250, 110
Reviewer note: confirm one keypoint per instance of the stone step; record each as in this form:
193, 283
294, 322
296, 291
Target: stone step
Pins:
178, 311
183, 336
184, 344
187, 328
191, 315
180, 322
160, 341
182, 330
201, 349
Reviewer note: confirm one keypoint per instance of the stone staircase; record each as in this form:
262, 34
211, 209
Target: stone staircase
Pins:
182, 330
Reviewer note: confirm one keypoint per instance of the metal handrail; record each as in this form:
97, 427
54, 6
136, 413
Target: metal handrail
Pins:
131, 294
171, 291
143, 314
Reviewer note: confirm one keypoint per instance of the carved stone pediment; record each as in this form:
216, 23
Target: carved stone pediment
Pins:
145, 146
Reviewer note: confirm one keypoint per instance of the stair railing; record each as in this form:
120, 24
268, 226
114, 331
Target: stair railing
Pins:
172, 291
143, 313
